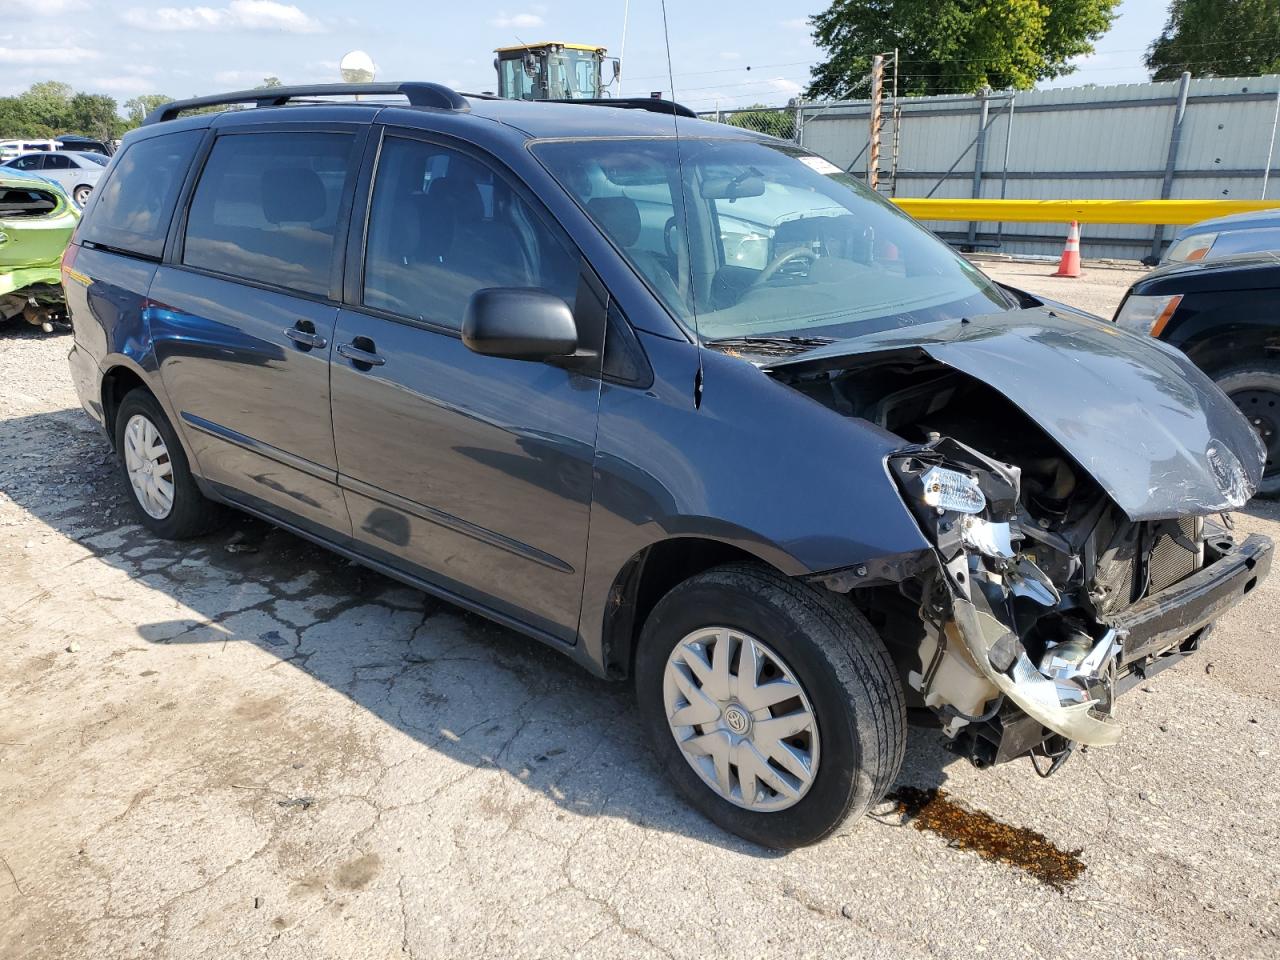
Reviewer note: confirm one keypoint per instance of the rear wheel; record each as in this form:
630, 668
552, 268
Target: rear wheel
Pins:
772, 705
81, 194
1255, 389
155, 469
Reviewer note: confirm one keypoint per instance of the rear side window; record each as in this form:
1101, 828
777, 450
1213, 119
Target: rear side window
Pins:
134, 207
267, 208
58, 161
442, 225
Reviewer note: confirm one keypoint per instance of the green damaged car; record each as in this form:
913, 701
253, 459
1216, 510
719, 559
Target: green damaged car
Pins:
37, 219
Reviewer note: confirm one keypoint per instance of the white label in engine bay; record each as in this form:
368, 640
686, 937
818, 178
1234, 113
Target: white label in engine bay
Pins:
824, 167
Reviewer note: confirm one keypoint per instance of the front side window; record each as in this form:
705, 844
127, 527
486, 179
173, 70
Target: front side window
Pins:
134, 207
442, 225
267, 208
30, 162
750, 238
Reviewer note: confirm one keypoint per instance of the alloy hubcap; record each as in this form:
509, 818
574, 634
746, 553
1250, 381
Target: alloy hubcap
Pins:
146, 460
741, 719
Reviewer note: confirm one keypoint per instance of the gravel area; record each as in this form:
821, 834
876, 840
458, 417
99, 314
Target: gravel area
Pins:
244, 746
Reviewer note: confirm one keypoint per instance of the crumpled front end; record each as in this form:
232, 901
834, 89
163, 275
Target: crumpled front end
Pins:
1069, 481
1035, 622
37, 220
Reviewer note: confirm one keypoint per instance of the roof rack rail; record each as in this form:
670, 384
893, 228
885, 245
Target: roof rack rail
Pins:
419, 95
652, 104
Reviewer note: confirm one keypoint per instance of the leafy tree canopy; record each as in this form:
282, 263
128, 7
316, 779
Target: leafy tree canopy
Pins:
137, 108
955, 46
1217, 38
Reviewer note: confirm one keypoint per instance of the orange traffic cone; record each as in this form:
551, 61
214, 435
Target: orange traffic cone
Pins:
1069, 265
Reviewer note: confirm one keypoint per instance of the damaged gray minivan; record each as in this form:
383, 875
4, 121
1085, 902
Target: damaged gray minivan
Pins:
701, 411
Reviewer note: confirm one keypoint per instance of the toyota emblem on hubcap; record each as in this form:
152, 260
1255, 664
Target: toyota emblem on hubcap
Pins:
736, 719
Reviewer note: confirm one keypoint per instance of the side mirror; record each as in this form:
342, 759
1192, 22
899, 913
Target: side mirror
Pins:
520, 324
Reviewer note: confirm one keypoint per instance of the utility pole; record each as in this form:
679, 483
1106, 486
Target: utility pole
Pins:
877, 97
897, 130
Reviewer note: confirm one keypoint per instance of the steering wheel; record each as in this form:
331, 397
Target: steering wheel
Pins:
780, 261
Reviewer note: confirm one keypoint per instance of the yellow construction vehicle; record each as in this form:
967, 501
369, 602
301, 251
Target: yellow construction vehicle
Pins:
553, 71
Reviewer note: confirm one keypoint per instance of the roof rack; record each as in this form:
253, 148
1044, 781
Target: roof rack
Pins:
652, 104
419, 95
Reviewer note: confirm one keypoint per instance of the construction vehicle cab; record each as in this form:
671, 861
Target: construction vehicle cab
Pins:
552, 71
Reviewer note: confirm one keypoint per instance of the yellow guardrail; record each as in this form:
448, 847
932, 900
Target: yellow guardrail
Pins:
1150, 212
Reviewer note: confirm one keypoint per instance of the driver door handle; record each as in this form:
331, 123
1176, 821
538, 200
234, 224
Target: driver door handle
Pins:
303, 333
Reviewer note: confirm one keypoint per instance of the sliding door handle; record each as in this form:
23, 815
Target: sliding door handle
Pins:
360, 357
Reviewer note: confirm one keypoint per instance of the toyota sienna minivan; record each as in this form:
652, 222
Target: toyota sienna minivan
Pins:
687, 403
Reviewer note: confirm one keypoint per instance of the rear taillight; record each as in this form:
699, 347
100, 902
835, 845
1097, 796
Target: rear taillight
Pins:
69, 259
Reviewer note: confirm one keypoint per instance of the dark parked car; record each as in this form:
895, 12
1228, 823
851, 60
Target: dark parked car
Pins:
76, 141
1231, 236
1225, 316
699, 411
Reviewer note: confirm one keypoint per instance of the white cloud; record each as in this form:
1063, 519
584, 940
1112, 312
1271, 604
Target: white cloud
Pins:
237, 15
799, 23
127, 84
46, 55
244, 77
517, 21
48, 7
730, 55
784, 86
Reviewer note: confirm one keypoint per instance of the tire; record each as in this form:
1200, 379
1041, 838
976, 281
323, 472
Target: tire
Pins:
830, 651
81, 194
1255, 389
190, 513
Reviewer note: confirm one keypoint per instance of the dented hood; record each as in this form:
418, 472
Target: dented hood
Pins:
1155, 433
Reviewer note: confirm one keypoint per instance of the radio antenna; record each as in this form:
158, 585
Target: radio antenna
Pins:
684, 215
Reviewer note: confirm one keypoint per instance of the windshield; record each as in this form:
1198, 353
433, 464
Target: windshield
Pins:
774, 241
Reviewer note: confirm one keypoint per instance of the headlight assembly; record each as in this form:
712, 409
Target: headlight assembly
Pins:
1192, 248
1147, 315
952, 490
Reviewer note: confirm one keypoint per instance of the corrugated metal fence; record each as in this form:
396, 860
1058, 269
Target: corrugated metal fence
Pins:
1117, 142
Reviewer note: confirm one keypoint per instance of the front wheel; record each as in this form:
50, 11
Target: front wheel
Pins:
1255, 389
772, 705
81, 194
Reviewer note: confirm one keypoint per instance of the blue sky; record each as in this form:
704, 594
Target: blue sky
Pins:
733, 53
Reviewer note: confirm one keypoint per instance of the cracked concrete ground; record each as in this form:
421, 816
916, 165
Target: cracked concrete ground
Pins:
247, 747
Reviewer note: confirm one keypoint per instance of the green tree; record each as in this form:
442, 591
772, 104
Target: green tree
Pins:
94, 114
954, 46
268, 83
137, 108
1217, 38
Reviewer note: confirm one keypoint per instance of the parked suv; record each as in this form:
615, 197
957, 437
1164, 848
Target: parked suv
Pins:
697, 410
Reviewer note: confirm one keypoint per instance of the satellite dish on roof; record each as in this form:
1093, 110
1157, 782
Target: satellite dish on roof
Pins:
356, 67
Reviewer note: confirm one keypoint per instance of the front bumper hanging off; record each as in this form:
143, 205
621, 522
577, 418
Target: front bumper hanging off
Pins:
1144, 638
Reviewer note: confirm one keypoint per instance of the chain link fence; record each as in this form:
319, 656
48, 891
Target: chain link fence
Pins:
776, 122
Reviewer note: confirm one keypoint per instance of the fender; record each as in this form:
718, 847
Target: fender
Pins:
755, 466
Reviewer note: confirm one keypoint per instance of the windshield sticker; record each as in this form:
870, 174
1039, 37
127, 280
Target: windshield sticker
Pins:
824, 167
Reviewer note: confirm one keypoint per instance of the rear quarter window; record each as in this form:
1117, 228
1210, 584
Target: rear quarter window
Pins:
134, 207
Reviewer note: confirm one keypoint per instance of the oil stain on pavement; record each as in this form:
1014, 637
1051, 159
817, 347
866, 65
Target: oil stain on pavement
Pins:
933, 811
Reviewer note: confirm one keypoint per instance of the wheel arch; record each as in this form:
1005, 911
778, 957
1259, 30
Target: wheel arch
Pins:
649, 575
121, 375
